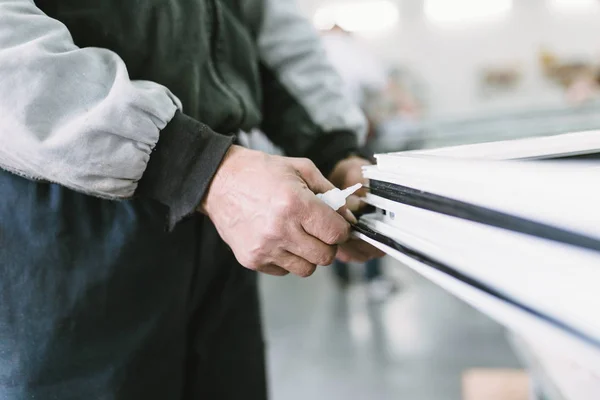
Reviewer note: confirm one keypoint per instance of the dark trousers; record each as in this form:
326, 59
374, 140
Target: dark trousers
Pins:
97, 301
372, 270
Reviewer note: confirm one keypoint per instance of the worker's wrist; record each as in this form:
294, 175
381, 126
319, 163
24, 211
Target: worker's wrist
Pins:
221, 179
182, 166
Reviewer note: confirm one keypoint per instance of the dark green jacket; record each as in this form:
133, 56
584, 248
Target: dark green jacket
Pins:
136, 90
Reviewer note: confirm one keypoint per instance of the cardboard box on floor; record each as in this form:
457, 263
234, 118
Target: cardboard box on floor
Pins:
495, 384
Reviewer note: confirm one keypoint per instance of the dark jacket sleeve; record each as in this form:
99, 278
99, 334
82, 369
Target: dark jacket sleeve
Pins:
182, 165
305, 109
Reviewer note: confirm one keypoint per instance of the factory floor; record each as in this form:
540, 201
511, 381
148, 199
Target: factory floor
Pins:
327, 343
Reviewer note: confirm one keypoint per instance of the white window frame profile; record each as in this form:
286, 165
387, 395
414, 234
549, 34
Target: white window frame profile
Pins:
513, 228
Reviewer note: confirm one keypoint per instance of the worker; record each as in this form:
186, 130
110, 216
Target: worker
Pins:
127, 206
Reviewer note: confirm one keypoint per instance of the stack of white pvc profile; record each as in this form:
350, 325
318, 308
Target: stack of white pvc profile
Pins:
513, 228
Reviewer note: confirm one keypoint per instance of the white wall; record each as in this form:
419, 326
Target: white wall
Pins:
449, 59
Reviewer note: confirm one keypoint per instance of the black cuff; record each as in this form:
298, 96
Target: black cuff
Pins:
366, 153
331, 148
182, 165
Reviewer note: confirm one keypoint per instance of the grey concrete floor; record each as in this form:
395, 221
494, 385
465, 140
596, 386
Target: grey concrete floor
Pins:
326, 343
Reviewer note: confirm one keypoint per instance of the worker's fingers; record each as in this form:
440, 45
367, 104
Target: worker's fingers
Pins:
347, 214
354, 203
311, 175
362, 192
346, 253
272, 269
311, 249
368, 249
296, 265
357, 250
365, 248
320, 221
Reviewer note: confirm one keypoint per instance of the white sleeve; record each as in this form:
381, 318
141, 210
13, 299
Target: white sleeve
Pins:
70, 115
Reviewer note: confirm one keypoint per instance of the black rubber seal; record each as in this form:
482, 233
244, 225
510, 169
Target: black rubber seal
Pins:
482, 215
454, 273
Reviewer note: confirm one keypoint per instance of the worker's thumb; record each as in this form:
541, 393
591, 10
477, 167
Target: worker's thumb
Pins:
311, 175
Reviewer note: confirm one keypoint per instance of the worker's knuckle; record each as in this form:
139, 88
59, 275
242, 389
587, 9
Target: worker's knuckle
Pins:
327, 256
255, 256
272, 231
306, 271
331, 239
277, 272
290, 200
249, 262
287, 203
346, 231
307, 164
337, 236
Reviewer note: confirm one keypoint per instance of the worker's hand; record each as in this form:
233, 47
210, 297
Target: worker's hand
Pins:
265, 209
346, 173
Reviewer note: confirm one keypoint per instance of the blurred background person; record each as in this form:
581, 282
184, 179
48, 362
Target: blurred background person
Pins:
395, 115
366, 80
585, 87
360, 70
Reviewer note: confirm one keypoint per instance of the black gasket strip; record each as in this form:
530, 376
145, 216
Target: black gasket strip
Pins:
448, 270
482, 215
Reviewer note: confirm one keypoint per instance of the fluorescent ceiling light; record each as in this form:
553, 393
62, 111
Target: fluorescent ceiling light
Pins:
575, 5
371, 16
447, 12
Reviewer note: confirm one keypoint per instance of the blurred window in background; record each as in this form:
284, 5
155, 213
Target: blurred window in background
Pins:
464, 11
575, 5
473, 70
372, 16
